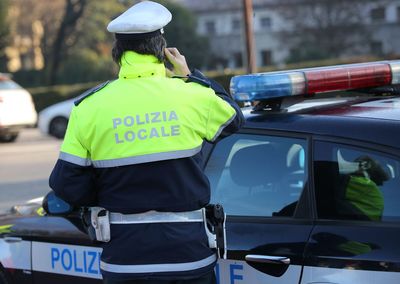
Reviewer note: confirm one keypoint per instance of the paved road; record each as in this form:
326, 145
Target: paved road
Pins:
25, 166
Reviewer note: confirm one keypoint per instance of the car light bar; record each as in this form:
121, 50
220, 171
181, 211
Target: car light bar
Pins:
262, 86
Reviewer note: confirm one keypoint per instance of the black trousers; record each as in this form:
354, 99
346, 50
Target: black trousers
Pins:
209, 278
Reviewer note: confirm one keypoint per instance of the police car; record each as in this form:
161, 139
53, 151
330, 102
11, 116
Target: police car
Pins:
310, 186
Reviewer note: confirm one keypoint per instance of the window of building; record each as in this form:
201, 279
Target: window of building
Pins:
398, 14
238, 59
258, 175
236, 25
266, 57
210, 27
378, 14
265, 22
353, 183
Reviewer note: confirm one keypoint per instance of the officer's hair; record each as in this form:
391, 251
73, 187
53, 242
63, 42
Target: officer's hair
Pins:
153, 46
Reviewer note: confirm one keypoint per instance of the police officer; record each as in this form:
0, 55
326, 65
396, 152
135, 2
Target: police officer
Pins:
133, 147
362, 197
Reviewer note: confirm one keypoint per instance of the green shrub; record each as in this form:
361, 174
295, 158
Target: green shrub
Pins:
46, 96
29, 78
86, 66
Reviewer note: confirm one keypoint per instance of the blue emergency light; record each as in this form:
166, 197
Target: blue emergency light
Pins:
310, 81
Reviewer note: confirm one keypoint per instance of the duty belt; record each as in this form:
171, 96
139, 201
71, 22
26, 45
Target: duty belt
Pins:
98, 220
157, 217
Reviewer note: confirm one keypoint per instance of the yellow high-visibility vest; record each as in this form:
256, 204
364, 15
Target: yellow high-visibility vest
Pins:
143, 116
364, 194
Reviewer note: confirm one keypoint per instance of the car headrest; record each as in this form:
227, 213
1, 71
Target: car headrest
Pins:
295, 157
257, 165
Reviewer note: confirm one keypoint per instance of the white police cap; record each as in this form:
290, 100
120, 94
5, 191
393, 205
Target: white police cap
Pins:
142, 20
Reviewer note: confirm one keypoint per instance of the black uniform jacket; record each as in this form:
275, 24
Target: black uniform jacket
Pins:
157, 250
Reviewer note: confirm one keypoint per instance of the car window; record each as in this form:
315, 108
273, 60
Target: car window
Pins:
8, 85
356, 184
257, 175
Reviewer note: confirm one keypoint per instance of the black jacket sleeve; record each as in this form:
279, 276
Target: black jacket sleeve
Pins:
73, 183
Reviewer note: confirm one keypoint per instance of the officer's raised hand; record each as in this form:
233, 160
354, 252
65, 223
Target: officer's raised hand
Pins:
178, 61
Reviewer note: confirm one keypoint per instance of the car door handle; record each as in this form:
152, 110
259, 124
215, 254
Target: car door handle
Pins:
12, 239
267, 259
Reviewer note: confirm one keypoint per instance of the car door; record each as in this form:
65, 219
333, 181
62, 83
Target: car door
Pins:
356, 237
61, 252
47, 249
261, 180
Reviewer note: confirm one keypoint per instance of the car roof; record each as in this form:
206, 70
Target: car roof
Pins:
371, 119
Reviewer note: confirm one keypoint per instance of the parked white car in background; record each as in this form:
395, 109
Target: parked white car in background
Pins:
17, 109
53, 120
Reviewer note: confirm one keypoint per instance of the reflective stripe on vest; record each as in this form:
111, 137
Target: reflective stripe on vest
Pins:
152, 268
74, 159
129, 160
146, 158
157, 217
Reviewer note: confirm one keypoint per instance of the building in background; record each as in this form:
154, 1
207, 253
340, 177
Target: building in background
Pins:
298, 30
24, 51
285, 31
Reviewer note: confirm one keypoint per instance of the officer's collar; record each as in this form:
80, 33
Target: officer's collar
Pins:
135, 65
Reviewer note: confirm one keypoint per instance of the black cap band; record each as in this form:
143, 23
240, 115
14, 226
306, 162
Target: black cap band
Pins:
137, 36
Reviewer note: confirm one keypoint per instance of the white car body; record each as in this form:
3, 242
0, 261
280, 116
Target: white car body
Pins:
17, 109
54, 119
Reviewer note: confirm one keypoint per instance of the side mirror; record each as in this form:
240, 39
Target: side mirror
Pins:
55, 206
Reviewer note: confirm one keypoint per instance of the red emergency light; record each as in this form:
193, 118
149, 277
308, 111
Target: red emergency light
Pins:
315, 80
